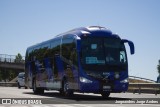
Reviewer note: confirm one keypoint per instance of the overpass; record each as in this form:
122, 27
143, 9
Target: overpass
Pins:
10, 62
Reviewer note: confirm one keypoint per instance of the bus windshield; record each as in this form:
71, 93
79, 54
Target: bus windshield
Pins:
102, 52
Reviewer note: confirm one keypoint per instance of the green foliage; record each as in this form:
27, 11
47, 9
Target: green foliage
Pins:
18, 58
9, 74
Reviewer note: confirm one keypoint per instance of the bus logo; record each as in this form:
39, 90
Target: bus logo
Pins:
106, 75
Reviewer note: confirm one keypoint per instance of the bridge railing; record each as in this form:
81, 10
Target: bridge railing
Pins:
10, 59
152, 88
143, 85
142, 79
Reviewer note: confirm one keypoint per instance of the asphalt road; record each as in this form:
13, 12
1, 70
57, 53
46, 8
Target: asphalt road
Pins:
54, 99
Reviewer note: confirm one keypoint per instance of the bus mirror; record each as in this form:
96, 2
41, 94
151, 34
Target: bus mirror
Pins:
131, 45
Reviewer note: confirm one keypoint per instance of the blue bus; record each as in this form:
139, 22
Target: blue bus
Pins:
86, 60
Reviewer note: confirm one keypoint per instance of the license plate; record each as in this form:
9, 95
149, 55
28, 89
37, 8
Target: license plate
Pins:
106, 87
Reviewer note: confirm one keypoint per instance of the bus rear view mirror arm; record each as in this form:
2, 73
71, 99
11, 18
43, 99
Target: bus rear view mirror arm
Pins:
131, 45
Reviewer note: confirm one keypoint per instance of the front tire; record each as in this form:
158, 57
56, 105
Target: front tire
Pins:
105, 94
65, 89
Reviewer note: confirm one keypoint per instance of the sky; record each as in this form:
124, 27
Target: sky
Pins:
27, 22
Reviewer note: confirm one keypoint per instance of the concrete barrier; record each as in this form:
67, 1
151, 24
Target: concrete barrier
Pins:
153, 88
8, 84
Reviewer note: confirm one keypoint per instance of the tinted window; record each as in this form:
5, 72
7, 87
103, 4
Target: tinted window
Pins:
20, 75
55, 46
69, 48
100, 53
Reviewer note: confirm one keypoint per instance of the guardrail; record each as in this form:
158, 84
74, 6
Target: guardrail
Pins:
153, 88
8, 84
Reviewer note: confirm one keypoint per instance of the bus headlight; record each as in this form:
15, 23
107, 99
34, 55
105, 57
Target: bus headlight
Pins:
124, 81
85, 80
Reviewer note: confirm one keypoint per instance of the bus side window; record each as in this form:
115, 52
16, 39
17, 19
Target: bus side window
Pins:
73, 56
55, 50
69, 48
55, 47
122, 57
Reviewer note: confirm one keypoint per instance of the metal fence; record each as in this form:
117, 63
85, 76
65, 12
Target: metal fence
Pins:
152, 88
11, 59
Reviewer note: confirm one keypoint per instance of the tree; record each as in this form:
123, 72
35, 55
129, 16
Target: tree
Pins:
158, 67
18, 58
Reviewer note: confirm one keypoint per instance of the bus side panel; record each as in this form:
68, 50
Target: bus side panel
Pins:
71, 73
49, 81
48, 68
75, 78
28, 73
59, 65
44, 74
40, 74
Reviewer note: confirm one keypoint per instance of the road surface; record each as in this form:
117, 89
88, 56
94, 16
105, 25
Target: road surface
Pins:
54, 99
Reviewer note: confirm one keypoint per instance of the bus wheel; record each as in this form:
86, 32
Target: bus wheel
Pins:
105, 94
37, 90
65, 89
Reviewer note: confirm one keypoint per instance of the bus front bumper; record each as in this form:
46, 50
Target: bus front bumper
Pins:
98, 87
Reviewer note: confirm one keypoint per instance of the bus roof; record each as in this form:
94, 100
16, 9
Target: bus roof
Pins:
95, 30
90, 30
